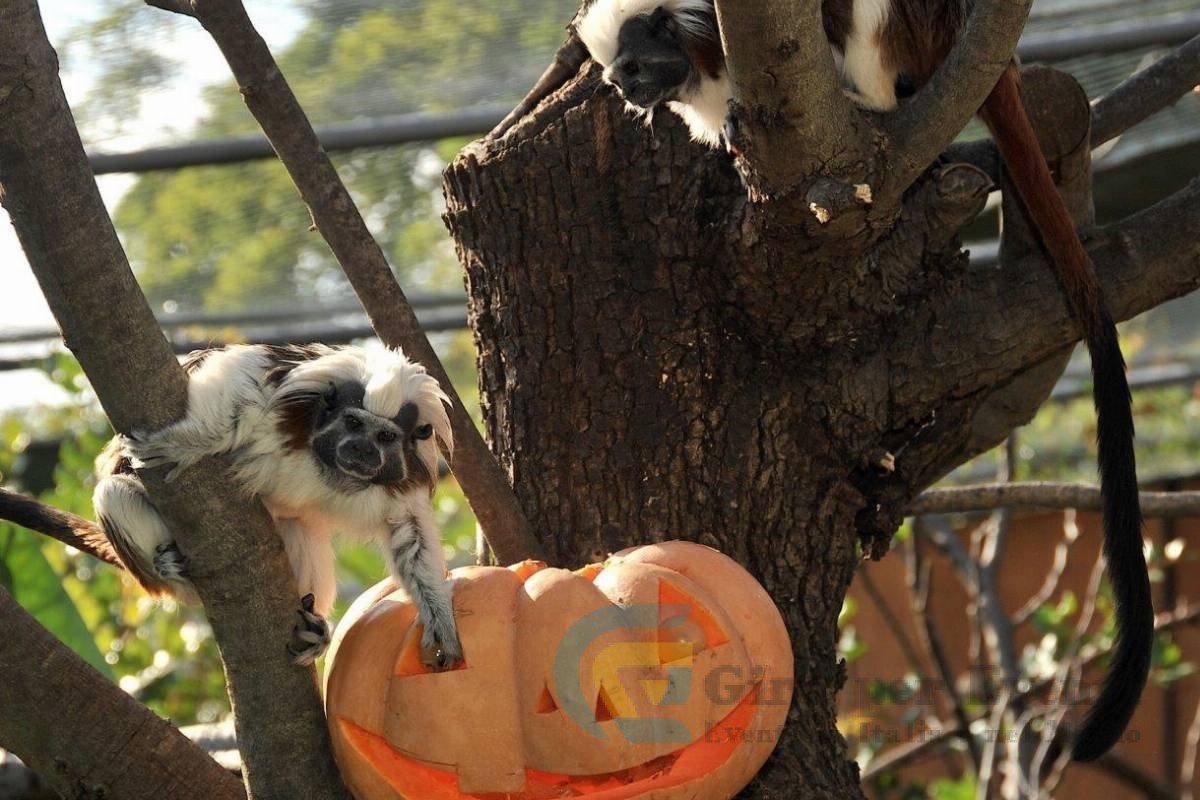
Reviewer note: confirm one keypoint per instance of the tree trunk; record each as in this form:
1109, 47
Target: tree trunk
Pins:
662, 357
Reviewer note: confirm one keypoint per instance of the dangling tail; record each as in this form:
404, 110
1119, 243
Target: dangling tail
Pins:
1005, 114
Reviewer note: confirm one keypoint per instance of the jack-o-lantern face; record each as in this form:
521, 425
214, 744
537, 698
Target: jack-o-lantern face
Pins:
664, 673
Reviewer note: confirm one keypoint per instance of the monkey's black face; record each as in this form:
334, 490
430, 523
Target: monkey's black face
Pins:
360, 449
652, 65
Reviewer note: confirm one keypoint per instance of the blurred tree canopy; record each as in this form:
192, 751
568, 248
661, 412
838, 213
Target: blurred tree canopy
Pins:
236, 237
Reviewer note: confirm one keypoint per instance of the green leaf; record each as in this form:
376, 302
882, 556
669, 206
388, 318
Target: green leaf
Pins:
35, 585
945, 789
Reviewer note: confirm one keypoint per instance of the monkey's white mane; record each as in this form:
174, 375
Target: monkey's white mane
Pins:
602, 22
390, 380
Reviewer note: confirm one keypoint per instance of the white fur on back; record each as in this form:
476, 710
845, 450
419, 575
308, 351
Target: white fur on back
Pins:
602, 22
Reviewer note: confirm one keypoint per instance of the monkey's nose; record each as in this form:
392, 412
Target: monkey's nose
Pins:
360, 457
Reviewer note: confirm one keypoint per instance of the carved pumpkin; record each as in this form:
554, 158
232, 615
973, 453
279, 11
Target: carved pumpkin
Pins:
663, 673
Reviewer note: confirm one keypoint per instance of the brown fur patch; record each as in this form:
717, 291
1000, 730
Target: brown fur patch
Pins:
837, 16
297, 417
918, 35
705, 52
195, 359
287, 357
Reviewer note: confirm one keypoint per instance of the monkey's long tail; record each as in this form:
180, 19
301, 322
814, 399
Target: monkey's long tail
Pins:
66, 528
1005, 114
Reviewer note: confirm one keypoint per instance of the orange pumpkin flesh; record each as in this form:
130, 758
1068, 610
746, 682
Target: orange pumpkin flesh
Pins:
497, 728
413, 778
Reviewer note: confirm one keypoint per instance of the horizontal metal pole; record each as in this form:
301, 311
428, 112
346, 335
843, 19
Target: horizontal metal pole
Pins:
1115, 38
440, 300
411, 128
378, 132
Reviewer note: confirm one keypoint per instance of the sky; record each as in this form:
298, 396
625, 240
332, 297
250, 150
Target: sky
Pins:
166, 117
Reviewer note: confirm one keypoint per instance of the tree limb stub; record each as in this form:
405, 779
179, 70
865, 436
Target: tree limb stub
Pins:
272, 102
83, 735
235, 561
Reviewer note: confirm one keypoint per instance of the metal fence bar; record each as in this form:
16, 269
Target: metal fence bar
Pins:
412, 128
1115, 38
378, 132
430, 301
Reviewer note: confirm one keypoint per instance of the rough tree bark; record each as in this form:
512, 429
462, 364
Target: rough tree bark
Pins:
665, 355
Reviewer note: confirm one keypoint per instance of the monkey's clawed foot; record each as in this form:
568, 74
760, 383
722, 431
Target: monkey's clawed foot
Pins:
169, 563
310, 637
440, 648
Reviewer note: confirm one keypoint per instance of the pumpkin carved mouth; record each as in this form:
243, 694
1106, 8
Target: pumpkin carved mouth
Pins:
419, 780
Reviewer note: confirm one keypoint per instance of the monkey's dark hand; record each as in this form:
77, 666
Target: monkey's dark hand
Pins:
310, 637
440, 648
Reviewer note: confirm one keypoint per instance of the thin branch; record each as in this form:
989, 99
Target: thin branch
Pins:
570, 56
791, 111
1147, 92
925, 125
920, 584
77, 532
272, 102
1062, 552
1187, 770
83, 735
986, 497
236, 562
891, 621
1139, 97
903, 754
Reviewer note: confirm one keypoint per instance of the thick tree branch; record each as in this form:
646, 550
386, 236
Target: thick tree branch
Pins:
793, 118
235, 561
83, 735
274, 105
925, 125
988, 497
67, 528
1017, 315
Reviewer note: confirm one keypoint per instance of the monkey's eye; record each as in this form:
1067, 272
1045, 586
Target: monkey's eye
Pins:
631, 68
353, 424
423, 432
331, 395
385, 437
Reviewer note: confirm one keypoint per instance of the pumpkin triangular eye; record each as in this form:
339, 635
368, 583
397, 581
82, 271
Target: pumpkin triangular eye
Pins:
546, 703
685, 627
606, 710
